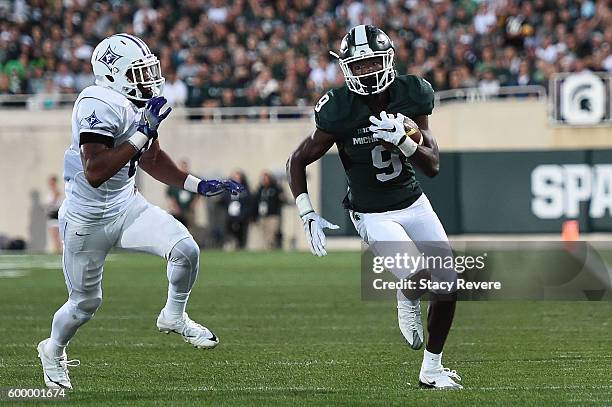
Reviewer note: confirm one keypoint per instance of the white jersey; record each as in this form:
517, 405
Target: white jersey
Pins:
107, 113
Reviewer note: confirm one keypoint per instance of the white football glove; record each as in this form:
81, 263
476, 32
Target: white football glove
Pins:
313, 226
391, 129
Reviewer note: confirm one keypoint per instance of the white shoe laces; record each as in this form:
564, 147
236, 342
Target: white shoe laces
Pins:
71, 363
62, 365
410, 312
190, 324
451, 373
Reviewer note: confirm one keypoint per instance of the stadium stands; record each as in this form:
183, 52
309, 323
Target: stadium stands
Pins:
255, 53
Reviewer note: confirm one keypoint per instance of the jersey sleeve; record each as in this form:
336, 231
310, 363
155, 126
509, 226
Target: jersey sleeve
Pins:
422, 93
324, 117
98, 117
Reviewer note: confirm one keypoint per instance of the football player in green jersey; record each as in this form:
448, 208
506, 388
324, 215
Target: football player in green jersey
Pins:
378, 153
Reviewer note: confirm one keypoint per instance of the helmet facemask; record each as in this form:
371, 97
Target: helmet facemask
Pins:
373, 82
144, 79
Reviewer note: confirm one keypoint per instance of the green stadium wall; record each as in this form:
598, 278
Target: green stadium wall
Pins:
502, 191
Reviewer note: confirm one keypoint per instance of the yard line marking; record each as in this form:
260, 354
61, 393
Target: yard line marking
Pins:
571, 387
232, 389
343, 389
47, 265
13, 273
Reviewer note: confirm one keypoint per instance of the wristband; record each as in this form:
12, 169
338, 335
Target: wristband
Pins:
408, 147
191, 183
303, 204
138, 141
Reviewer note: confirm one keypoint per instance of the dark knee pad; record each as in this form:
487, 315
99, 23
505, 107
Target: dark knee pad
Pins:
84, 309
91, 305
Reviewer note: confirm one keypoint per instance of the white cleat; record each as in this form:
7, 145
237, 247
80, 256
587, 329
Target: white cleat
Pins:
55, 368
192, 332
440, 378
409, 319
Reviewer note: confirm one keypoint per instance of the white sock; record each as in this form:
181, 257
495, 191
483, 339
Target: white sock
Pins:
176, 304
66, 322
431, 361
402, 297
53, 349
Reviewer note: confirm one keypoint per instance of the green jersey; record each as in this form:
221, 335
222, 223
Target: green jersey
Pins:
379, 180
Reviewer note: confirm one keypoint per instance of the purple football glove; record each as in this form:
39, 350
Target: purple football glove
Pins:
214, 187
152, 116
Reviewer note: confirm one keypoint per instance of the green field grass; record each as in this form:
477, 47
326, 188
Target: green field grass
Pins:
294, 330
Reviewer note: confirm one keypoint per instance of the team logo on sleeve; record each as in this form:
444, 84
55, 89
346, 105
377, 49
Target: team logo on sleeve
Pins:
109, 58
92, 120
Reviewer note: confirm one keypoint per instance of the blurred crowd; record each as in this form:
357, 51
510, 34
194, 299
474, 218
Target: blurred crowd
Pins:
230, 217
225, 221
266, 53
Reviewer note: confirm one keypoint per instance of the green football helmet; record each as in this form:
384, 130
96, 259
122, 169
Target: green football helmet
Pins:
363, 42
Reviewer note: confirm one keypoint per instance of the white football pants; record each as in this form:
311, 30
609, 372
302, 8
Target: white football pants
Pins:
143, 227
414, 230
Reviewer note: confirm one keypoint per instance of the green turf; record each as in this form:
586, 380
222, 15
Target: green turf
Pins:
294, 330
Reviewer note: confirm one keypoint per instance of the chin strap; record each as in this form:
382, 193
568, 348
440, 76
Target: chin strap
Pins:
139, 103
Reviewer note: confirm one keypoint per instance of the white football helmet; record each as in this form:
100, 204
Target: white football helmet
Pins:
124, 63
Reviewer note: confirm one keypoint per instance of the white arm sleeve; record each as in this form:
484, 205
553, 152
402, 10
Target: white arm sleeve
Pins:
96, 116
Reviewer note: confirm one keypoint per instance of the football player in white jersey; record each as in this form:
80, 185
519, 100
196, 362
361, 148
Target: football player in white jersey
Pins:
114, 130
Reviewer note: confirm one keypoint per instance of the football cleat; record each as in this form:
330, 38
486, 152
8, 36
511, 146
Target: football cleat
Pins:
192, 332
409, 319
440, 378
55, 368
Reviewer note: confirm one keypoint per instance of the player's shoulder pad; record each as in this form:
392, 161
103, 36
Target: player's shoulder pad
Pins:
333, 109
419, 91
98, 110
113, 98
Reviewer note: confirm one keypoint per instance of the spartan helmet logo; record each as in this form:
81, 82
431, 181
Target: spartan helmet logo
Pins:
583, 99
109, 58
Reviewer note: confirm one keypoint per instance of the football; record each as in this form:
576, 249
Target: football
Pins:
413, 131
